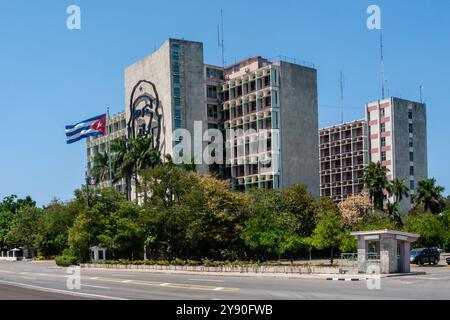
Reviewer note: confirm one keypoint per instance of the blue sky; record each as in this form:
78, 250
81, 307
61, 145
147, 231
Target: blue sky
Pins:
51, 76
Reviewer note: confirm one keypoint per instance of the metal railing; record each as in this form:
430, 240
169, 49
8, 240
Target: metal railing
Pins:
372, 256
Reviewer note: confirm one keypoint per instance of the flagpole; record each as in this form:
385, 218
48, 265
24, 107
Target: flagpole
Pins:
108, 137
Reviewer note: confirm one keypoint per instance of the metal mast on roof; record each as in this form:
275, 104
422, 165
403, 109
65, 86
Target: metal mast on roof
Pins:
220, 38
342, 95
421, 87
382, 65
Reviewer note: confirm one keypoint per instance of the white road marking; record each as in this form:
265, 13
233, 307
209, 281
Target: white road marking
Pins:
126, 281
91, 286
94, 278
218, 289
51, 290
208, 280
164, 284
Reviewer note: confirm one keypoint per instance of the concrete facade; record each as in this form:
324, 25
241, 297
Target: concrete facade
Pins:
344, 155
398, 139
298, 127
278, 100
174, 89
98, 145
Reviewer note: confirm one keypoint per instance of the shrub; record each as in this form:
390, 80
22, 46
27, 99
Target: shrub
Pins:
178, 262
67, 261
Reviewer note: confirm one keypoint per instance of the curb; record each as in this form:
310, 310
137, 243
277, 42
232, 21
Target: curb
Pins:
344, 279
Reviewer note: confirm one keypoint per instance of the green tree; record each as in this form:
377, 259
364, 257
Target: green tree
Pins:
123, 164
6, 221
394, 213
430, 196
297, 201
399, 189
100, 170
23, 230
53, 231
376, 183
143, 156
431, 229
327, 234
109, 222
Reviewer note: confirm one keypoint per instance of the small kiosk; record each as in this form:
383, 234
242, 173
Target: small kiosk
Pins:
387, 250
97, 253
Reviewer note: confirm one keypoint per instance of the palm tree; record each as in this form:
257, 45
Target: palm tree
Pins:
143, 156
123, 163
398, 189
394, 213
100, 170
376, 182
430, 196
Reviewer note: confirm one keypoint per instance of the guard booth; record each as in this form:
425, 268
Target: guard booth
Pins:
97, 253
387, 250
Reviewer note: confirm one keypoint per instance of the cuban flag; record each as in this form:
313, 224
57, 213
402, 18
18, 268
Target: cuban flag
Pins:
88, 128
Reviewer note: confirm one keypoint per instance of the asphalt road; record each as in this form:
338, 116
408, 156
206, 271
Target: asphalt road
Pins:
27, 280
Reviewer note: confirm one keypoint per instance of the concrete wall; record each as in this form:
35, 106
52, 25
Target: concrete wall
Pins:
223, 269
299, 127
401, 146
195, 104
156, 69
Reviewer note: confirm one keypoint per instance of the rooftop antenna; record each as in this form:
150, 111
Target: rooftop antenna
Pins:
382, 65
221, 38
421, 87
342, 84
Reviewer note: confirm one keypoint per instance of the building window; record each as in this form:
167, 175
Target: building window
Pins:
383, 127
383, 156
383, 142
177, 92
214, 74
177, 102
176, 68
411, 156
175, 52
176, 79
275, 120
410, 128
412, 185
410, 114
212, 111
411, 171
178, 124
211, 92
382, 113
411, 143
178, 114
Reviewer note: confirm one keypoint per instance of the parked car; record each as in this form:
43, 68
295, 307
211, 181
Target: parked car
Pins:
448, 260
425, 255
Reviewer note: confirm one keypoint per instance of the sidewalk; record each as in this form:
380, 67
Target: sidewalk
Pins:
318, 276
